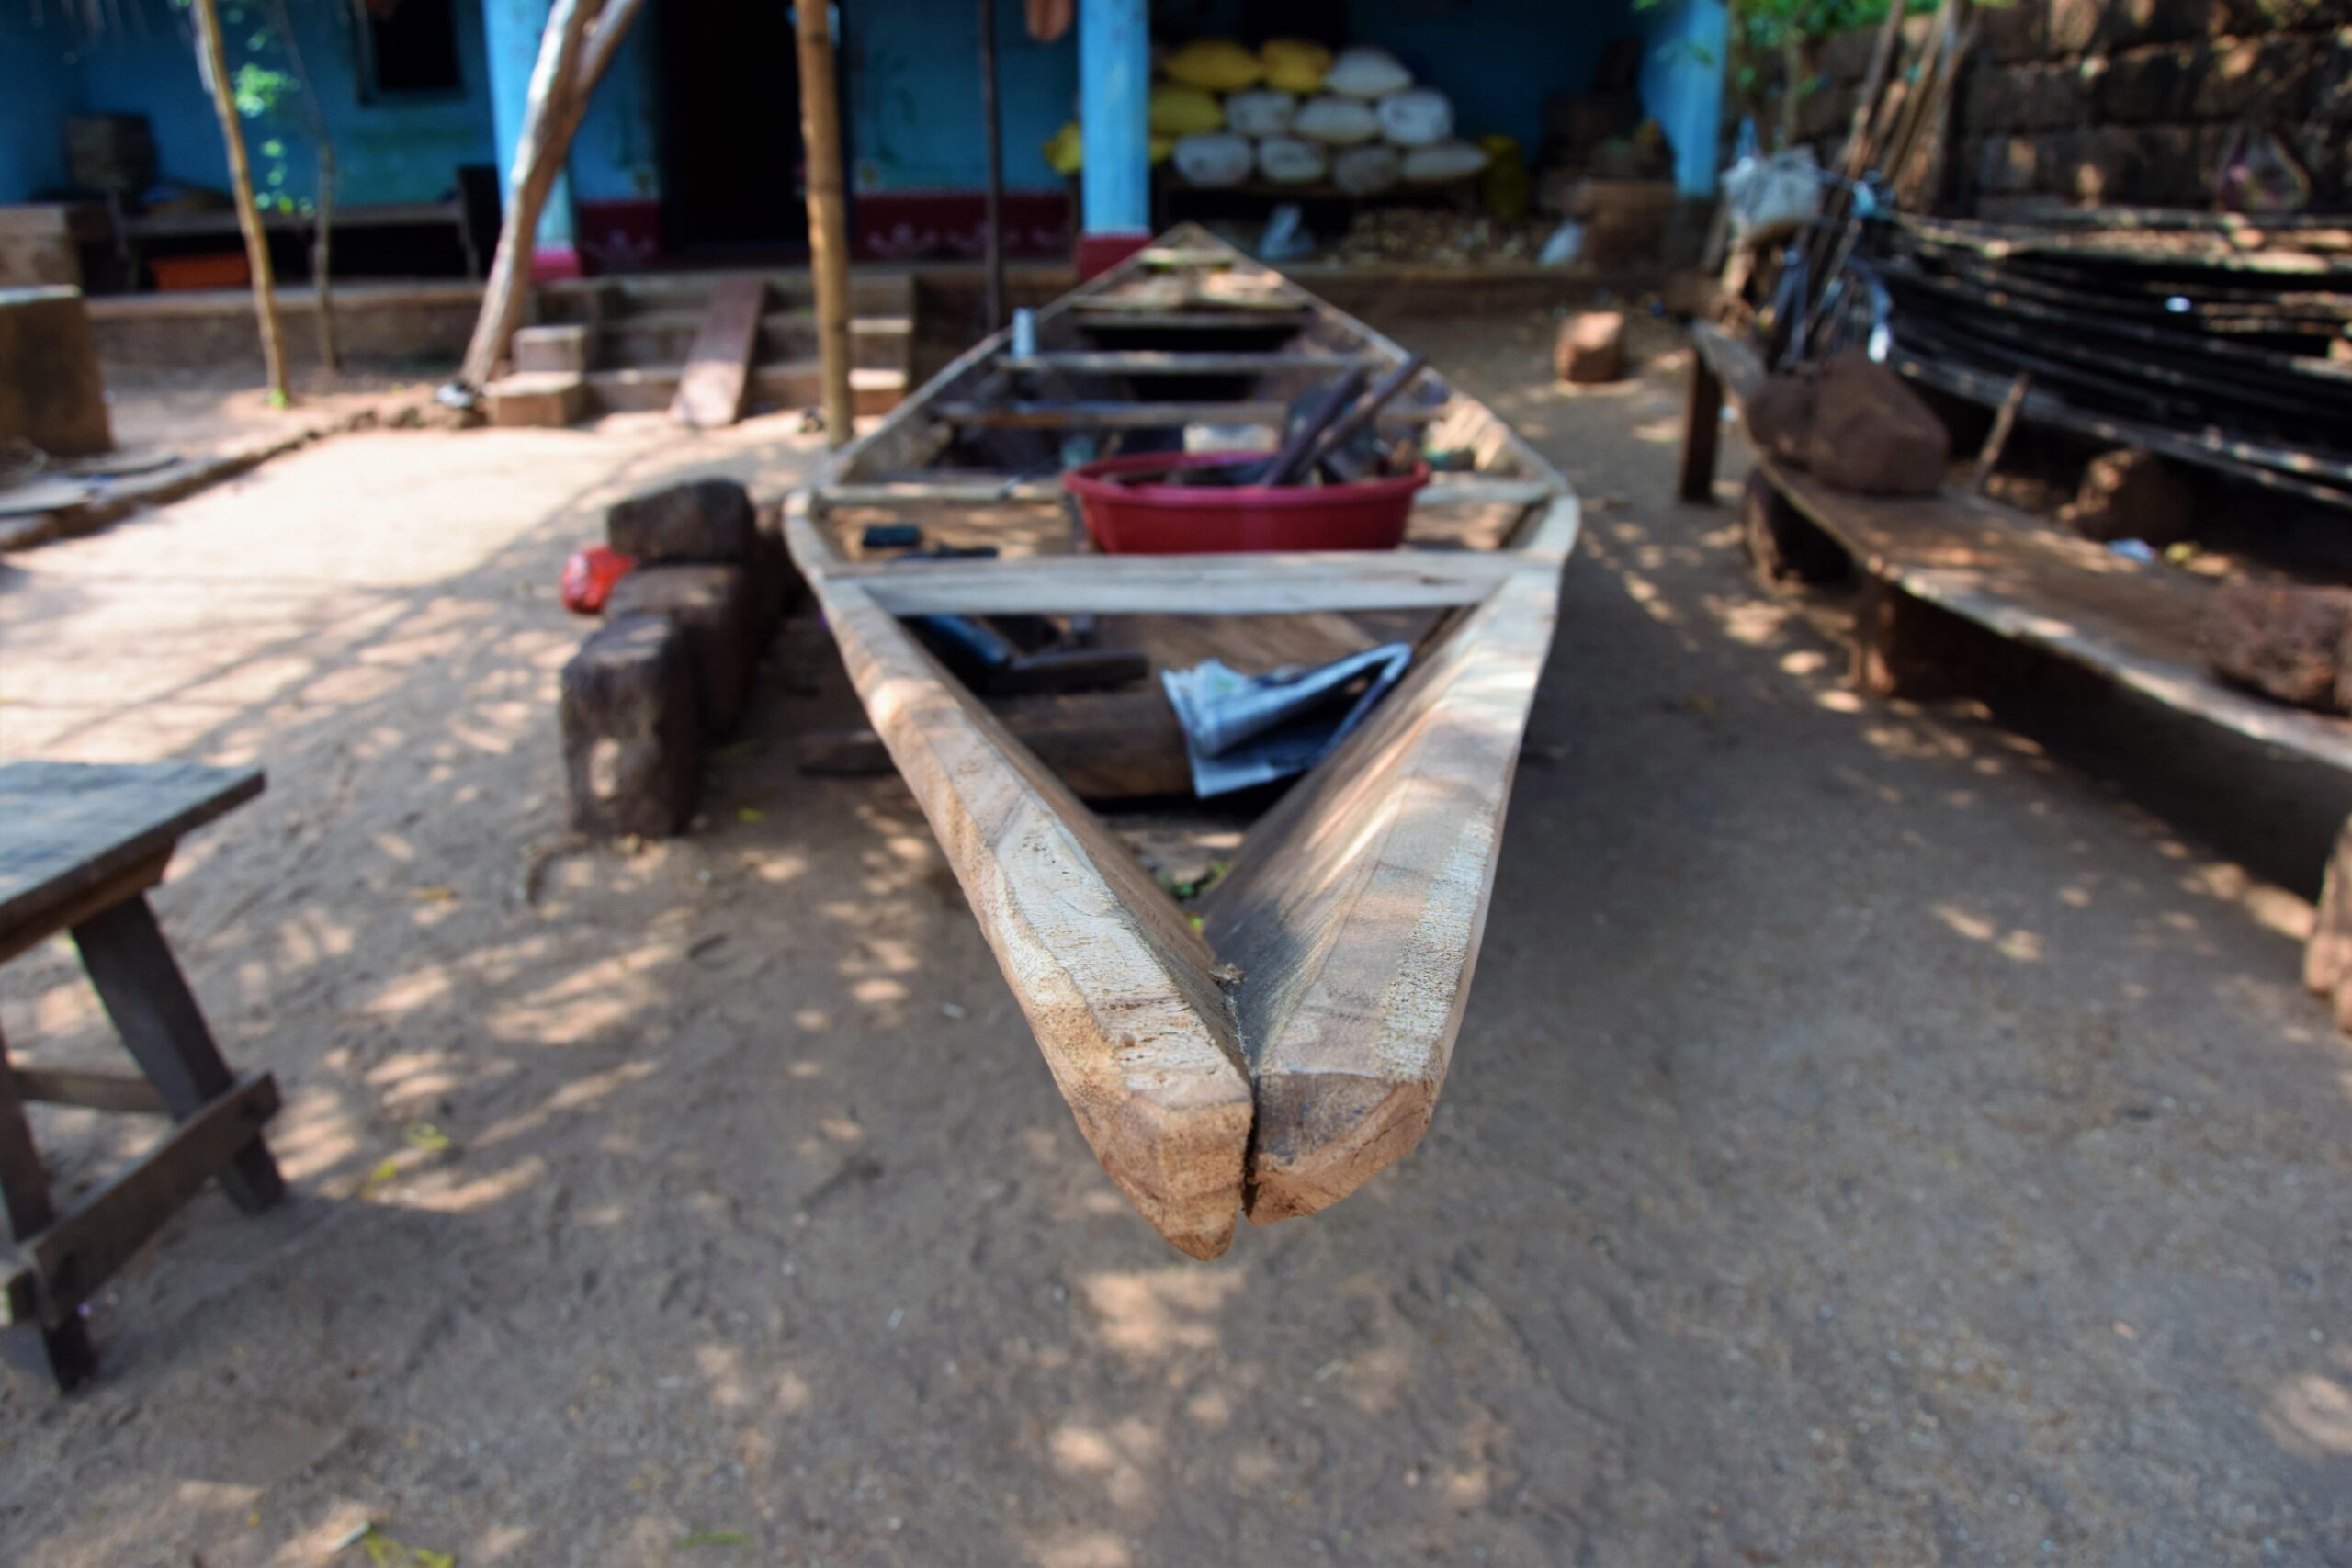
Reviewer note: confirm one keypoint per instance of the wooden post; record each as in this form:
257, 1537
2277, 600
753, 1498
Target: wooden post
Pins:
994, 140
820, 139
539, 159
1702, 422
215, 61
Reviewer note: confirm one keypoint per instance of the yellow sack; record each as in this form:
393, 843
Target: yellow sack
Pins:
1063, 151
1219, 64
1179, 110
1293, 64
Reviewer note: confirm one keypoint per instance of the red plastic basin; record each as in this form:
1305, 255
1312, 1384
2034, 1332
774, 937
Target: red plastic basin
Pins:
1163, 519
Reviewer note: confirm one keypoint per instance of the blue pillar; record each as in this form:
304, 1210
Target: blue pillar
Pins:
513, 29
1113, 111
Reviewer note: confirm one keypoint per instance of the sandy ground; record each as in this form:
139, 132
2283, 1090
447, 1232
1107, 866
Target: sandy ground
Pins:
1871, 1141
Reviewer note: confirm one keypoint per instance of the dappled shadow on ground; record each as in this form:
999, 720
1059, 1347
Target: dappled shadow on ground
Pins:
1867, 1142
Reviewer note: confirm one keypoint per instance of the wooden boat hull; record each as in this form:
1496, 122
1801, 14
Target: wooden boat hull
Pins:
1269, 1048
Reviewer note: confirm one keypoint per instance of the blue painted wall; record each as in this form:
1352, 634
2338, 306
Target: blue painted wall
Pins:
1495, 59
911, 95
1682, 84
616, 153
37, 86
397, 150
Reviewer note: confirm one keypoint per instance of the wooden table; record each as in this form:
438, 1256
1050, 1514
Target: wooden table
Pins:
80, 844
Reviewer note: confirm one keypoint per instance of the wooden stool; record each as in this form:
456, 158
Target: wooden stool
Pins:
80, 845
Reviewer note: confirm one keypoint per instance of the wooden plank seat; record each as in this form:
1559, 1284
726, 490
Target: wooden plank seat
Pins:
80, 844
1928, 560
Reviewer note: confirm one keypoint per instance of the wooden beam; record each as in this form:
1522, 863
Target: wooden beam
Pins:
1109, 415
718, 367
81, 1249
1254, 584
1121, 994
820, 143
1354, 911
1160, 362
547, 125
90, 1090
1105, 746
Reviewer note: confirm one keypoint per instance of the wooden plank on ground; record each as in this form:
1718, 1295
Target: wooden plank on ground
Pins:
718, 367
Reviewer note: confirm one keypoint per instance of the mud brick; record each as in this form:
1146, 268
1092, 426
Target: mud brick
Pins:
1779, 415
1872, 433
701, 521
2132, 493
1591, 348
2156, 82
712, 605
631, 755
2282, 640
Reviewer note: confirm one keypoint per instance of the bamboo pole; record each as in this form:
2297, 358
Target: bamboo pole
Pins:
314, 117
821, 137
215, 61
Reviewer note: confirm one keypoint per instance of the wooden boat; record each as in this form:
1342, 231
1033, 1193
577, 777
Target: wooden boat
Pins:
1270, 1042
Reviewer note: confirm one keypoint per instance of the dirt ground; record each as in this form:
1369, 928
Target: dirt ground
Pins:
1872, 1140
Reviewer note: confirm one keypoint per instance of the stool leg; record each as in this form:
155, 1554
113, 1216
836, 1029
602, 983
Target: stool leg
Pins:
156, 1015
24, 1188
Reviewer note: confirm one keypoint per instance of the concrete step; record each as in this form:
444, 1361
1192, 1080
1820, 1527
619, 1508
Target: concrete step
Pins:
783, 385
664, 337
608, 299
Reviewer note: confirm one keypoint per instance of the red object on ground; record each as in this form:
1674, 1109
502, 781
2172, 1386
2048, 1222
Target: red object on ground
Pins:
1163, 519
589, 576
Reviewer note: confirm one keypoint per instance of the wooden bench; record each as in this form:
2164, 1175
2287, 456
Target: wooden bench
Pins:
1931, 564
80, 844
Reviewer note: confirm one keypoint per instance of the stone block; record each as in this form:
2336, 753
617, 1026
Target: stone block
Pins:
536, 400
1590, 348
712, 605
2011, 33
562, 349
2282, 640
702, 520
2131, 493
2069, 27
1872, 433
2281, 74
631, 755
2159, 82
2007, 166
51, 393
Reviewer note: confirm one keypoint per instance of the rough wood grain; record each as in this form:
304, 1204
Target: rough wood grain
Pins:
1355, 911
66, 827
1119, 992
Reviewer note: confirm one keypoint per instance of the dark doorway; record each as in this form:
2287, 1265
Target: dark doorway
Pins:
730, 146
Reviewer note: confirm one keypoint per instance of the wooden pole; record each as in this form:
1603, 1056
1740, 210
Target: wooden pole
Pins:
215, 60
539, 159
991, 120
820, 139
